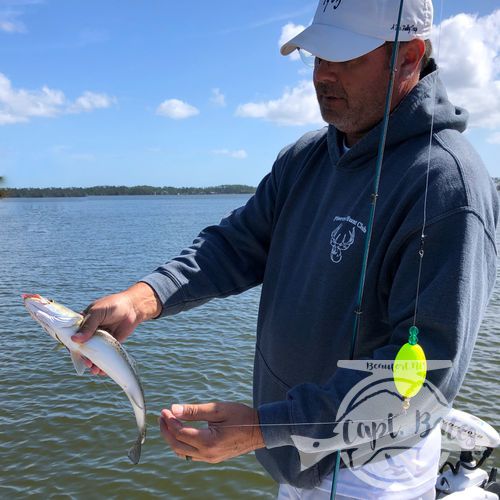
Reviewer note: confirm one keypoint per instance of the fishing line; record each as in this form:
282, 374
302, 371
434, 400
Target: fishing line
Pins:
424, 217
297, 424
115, 393
412, 351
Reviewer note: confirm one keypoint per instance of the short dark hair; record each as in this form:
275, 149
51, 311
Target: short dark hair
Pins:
427, 54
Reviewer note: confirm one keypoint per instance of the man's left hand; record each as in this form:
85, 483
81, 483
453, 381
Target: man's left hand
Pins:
233, 429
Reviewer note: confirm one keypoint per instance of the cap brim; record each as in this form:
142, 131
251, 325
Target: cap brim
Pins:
331, 44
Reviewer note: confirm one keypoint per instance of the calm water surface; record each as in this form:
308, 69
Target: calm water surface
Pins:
66, 437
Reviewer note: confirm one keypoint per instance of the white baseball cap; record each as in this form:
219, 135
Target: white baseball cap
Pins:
345, 29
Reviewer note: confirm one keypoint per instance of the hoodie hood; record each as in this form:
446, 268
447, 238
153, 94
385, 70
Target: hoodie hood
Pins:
413, 117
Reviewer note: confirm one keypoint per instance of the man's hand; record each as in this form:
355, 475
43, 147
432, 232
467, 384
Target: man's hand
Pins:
233, 429
119, 314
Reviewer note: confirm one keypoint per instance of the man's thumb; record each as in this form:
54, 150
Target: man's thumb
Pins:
178, 410
86, 330
209, 411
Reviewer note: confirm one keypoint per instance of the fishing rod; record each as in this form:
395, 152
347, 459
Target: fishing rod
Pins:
378, 170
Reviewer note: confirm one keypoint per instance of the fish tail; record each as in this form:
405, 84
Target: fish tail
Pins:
135, 452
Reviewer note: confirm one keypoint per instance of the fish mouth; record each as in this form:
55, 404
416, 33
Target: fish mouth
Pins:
34, 296
48, 313
33, 301
34, 304
31, 296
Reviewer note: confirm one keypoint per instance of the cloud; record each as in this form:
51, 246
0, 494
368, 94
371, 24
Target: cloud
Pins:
89, 101
287, 33
10, 11
218, 98
12, 26
297, 106
20, 105
469, 58
239, 154
20, 3
176, 109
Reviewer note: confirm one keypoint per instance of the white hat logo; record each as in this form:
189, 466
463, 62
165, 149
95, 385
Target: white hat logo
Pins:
334, 3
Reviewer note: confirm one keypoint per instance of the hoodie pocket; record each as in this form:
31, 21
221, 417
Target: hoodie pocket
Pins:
268, 387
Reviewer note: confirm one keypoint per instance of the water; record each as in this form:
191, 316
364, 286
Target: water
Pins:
66, 437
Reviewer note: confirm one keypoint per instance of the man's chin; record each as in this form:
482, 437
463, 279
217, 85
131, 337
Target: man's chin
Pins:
333, 120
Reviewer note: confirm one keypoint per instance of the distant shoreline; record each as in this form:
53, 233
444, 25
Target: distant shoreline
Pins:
76, 192
144, 190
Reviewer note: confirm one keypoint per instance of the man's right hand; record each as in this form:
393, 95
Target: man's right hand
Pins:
119, 314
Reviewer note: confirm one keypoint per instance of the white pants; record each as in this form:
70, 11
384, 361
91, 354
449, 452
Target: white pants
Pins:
287, 492
421, 464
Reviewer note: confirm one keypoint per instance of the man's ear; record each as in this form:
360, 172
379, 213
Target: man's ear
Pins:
410, 56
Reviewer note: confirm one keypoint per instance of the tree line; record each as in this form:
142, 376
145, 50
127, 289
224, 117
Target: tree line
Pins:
61, 192
65, 192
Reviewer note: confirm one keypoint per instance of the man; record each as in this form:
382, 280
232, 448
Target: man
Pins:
302, 237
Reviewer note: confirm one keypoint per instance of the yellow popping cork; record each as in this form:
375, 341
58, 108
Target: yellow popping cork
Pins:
410, 368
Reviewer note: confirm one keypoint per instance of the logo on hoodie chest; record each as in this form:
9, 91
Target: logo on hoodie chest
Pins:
343, 236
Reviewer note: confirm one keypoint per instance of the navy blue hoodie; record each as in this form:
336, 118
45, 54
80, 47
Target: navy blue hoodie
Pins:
302, 236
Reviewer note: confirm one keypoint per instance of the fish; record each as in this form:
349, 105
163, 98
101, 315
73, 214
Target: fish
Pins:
102, 349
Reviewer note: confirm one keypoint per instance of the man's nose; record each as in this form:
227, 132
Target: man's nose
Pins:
326, 70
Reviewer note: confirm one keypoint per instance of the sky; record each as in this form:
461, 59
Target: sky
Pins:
169, 93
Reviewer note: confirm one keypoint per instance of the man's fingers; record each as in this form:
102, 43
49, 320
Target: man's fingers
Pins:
216, 442
87, 362
198, 438
94, 369
179, 447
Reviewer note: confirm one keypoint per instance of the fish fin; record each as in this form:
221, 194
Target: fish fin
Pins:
58, 346
135, 452
78, 363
